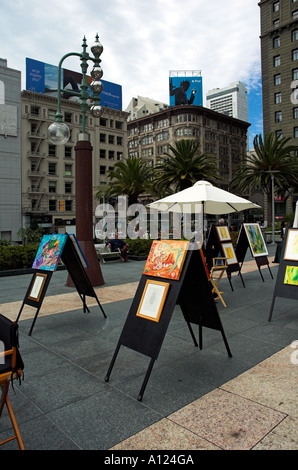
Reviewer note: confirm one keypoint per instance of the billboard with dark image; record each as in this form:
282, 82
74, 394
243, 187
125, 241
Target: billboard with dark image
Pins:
186, 90
43, 78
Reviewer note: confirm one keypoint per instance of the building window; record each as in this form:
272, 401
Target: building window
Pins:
68, 206
68, 152
295, 54
277, 79
52, 168
277, 98
102, 153
67, 117
111, 139
276, 22
295, 35
276, 6
276, 42
68, 187
278, 134
52, 150
111, 154
102, 170
102, 138
68, 170
278, 116
118, 125
52, 204
52, 186
119, 140
295, 74
295, 113
276, 61
295, 14
296, 132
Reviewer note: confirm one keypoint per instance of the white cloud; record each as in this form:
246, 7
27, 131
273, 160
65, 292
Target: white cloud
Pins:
142, 39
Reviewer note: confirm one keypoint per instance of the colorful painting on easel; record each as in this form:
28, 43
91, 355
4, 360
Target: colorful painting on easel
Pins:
166, 258
291, 275
49, 252
255, 239
291, 249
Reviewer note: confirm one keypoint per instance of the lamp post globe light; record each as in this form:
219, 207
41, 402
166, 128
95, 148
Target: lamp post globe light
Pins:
59, 133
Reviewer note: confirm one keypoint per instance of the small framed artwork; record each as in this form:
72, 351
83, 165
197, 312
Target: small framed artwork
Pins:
291, 275
37, 286
223, 233
153, 299
229, 253
255, 239
291, 248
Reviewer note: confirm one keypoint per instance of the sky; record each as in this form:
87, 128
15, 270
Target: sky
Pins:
143, 40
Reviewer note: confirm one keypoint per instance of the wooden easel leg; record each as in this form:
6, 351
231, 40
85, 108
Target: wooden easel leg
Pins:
20, 312
192, 334
229, 278
226, 343
201, 336
14, 425
140, 397
107, 377
241, 279
261, 273
33, 323
101, 308
270, 271
271, 308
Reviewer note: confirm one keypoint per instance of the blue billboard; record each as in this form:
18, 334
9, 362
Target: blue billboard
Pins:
43, 78
186, 90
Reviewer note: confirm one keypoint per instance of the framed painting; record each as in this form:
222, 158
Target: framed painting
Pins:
255, 239
153, 299
223, 233
49, 252
229, 253
291, 275
291, 248
37, 286
166, 258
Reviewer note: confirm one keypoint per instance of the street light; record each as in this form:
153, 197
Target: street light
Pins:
59, 133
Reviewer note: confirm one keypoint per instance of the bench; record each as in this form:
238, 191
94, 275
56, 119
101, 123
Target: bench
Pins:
104, 251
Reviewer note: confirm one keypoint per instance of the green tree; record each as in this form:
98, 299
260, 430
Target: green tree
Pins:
272, 158
184, 165
130, 177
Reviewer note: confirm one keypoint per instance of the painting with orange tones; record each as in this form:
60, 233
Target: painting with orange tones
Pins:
166, 258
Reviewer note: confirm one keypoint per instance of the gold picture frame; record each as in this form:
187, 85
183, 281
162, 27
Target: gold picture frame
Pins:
37, 286
223, 233
229, 253
153, 299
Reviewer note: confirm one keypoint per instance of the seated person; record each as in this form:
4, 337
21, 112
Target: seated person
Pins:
116, 243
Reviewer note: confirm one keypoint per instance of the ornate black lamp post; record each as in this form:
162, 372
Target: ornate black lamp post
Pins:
59, 133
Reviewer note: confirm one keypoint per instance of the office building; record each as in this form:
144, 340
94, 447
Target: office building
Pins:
48, 171
231, 100
149, 137
279, 56
10, 152
140, 107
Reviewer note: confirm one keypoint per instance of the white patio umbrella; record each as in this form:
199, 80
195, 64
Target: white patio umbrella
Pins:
213, 200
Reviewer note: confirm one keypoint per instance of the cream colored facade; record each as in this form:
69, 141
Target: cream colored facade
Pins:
48, 171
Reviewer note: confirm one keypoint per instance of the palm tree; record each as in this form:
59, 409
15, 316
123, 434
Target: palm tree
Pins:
272, 158
184, 165
130, 177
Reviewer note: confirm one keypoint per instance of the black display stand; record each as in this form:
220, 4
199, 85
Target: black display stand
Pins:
192, 292
241, 249
41, 278
215, 248
283, 289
